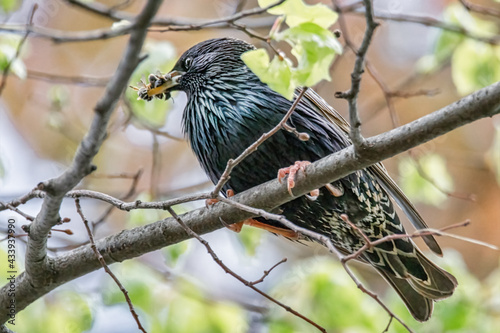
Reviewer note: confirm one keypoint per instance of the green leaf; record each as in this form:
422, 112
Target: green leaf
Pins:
458, 15
425, 185
250, 238
9, 5
161, 58
191, 312
276, 74
141, 282
448, 41
320, 289
315, 48
174, 252
8, 50
297, 12
64, 311
475, 65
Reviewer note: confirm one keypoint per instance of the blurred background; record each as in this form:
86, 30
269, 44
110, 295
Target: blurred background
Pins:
414, 69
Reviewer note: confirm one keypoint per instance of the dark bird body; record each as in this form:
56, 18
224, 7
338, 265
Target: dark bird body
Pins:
229, 108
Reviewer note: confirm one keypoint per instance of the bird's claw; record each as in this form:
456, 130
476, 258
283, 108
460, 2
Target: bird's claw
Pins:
292, 171
210, 202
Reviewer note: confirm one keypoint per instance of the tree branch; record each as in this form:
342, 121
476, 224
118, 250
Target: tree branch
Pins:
134, 242
38, 265
168, 24
423, 20
58, 36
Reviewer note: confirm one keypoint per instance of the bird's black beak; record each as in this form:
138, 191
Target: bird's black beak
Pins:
164, 83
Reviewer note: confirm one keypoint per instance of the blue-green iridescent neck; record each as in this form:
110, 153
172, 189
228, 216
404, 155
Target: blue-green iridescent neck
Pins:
225, 115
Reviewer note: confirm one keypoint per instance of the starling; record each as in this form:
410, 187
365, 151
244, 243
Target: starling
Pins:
229, 108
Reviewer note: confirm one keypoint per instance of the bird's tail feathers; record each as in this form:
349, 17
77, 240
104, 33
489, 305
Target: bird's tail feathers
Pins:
439, 283
418, 305
419, 295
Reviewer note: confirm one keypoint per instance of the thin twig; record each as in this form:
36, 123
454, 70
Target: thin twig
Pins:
386, 91
266, 273
162, 133
105, 266
129, 194
388, 325
98, 8
415, 93
154, 179
417, 234
63, 79
432, 22
58, 36
35, 193
345, 218
237, 276
224, 22
174, 24
352, 94
120, 204
137, 204
14, 236
423, 20
224, 178
122, 175
422, 173
129, 108
17, 210
494, 13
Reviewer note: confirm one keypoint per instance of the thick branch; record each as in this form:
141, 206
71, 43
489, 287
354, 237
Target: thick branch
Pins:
135, 242
37, 263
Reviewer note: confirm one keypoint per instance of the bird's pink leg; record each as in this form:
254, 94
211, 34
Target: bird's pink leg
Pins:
292, 171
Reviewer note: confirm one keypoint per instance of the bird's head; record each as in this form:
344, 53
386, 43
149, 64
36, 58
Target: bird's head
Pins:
212, 62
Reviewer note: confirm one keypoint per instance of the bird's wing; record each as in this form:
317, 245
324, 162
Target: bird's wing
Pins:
378, 169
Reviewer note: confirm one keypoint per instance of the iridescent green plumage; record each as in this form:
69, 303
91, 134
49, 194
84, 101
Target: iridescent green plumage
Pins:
229, 108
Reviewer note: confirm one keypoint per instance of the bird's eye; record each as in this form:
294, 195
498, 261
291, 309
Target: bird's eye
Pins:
188, 62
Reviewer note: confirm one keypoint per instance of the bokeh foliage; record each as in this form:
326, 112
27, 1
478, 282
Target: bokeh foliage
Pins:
317, 287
